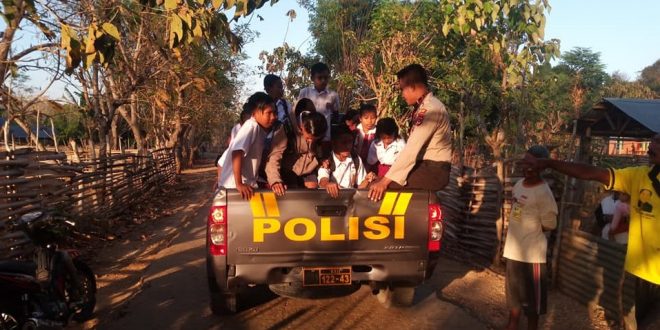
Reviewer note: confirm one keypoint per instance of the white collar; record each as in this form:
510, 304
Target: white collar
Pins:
371, 131
319, 92
380, 143
346, 162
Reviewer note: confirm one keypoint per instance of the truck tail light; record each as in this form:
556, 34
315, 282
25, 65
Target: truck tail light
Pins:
217, 230
436, 227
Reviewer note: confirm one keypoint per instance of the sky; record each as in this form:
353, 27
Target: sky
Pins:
625, 33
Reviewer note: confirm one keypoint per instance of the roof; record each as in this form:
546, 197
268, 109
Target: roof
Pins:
622, 117
17, 132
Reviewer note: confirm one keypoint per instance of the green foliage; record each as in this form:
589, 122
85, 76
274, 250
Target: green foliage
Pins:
291, 65
69, 124
188, 22
620, 88
586, 64
651, 77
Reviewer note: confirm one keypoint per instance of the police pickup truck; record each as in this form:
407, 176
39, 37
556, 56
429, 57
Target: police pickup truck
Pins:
307, 244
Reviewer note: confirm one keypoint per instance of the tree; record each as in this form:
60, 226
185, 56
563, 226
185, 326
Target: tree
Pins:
339, 28
589, 77
620, 87
650, 77
291, 65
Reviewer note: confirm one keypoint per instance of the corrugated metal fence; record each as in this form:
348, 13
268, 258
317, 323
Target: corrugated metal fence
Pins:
590, 270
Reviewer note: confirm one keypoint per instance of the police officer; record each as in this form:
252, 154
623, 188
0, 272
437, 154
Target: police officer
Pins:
425, 161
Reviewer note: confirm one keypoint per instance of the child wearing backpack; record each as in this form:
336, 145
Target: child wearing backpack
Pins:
344, 169
387, 146
292, 161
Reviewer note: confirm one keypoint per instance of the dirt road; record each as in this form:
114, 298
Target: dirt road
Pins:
152, 276
163, 286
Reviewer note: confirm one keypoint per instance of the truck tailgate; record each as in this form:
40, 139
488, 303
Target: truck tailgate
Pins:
308, 227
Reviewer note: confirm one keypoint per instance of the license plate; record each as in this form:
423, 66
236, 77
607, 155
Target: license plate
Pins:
323, 276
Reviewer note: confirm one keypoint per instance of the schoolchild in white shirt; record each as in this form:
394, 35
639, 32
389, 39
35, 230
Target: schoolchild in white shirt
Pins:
326, 101
245, 151
344, 168
387, 146
366, 131
245, 115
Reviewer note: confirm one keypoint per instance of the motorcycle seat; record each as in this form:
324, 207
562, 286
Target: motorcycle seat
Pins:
18, 267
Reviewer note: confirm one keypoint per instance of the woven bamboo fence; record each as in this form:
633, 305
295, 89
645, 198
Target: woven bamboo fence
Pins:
89, 192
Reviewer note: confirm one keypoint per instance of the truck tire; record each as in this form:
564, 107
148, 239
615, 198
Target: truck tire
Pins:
222, 303
396, 296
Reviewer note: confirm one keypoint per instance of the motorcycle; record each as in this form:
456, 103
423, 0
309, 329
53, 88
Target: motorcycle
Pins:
50, 289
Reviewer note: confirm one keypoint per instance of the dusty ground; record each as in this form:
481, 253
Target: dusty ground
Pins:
152, 277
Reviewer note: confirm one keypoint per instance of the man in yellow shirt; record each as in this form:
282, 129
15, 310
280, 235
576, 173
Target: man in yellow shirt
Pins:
642, 183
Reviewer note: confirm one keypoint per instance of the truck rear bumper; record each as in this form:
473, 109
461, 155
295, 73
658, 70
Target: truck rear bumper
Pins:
403, 272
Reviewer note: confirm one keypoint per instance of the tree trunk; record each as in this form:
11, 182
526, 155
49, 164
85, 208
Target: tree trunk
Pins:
114, 135
52, 129
74, 149
5, 131
8, 39
461, 131
496, 142
132, 121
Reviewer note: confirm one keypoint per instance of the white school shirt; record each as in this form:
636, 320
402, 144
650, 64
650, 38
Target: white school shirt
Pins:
321, 100
283, 109
533, 207
607, 205
250, 139
343, 172
386, 156
359, 138
232, 135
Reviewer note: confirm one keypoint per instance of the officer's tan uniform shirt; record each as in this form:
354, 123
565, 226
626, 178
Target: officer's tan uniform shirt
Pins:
429, 139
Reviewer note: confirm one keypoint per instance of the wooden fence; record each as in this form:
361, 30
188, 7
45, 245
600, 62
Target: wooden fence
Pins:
91, 192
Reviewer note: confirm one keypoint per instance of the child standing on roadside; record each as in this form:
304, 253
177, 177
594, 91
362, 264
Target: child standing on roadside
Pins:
241, 166
366, 131
534, 211
387, 146
326, 101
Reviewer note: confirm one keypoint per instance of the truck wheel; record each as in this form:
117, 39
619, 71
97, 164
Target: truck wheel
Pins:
222, 303
396, 296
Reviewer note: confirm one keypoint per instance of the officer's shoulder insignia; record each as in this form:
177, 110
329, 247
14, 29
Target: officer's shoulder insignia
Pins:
419, 117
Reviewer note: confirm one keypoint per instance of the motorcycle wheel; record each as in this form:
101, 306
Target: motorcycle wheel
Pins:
88, 292
8, 322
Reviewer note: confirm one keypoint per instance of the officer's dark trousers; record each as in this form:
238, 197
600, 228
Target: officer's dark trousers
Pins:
427, 175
